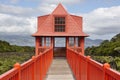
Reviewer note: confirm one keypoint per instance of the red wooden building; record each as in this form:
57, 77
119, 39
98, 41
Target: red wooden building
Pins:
59, 24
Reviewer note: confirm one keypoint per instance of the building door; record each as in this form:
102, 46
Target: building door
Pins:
59, 47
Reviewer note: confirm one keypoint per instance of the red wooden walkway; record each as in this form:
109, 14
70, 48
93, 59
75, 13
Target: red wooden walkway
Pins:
83, 68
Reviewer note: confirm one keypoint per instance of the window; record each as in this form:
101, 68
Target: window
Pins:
71, 41
48, 41
59, 28
77, 43
60, 42
59, 24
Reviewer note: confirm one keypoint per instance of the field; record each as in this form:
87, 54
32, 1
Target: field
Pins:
8, 59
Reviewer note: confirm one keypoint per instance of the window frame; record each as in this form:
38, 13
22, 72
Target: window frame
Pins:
60, 23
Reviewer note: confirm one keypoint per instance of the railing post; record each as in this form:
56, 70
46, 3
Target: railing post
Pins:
79, 63
105, 66
17, 66
41, 67
34, 67
88, 58
77, 66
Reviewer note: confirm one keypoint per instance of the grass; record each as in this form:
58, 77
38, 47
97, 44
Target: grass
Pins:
8, 59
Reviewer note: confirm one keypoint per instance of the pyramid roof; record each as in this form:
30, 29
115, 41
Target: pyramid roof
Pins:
59, 10
46, 24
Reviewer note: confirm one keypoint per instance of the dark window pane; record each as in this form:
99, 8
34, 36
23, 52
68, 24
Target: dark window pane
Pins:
59, 28
59, 24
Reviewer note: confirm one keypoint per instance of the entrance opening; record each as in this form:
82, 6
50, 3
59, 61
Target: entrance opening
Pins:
59, 47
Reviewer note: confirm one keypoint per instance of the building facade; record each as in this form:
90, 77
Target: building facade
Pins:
59, 24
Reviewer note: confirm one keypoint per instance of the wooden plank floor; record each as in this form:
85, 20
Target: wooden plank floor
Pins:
59, 70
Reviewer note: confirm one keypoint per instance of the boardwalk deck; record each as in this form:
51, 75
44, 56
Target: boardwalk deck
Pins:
59, 70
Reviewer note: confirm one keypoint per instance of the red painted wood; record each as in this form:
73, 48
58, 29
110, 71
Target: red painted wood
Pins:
37, 41
82, 44
85, 68
33, 69
73, 24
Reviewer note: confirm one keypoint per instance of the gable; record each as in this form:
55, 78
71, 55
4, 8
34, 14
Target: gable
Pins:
60, 10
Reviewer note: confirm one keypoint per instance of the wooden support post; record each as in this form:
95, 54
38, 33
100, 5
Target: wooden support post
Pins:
37, 41
67, 42
82, 44
44, 42
52, 42
40, 41
74, 42
67, 45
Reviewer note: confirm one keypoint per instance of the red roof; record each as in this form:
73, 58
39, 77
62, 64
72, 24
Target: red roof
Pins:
46, 24
59, 10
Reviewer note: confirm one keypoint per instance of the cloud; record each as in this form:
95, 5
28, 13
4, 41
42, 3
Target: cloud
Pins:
18, 25
15, 10
46, 8
62, 1
20, 20
102, 21
27, 12
14, 1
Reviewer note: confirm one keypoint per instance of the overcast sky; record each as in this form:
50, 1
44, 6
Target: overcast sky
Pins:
101, 18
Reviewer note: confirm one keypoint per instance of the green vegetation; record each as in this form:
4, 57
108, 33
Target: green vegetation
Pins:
10, 54
113, 61
6, 47
108, 51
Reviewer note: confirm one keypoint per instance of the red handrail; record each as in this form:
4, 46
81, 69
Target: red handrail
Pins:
85, 68
34, 69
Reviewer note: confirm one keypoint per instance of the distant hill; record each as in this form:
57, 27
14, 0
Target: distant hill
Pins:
106, 48
90, 42
6, 47
28, 40
21, 40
